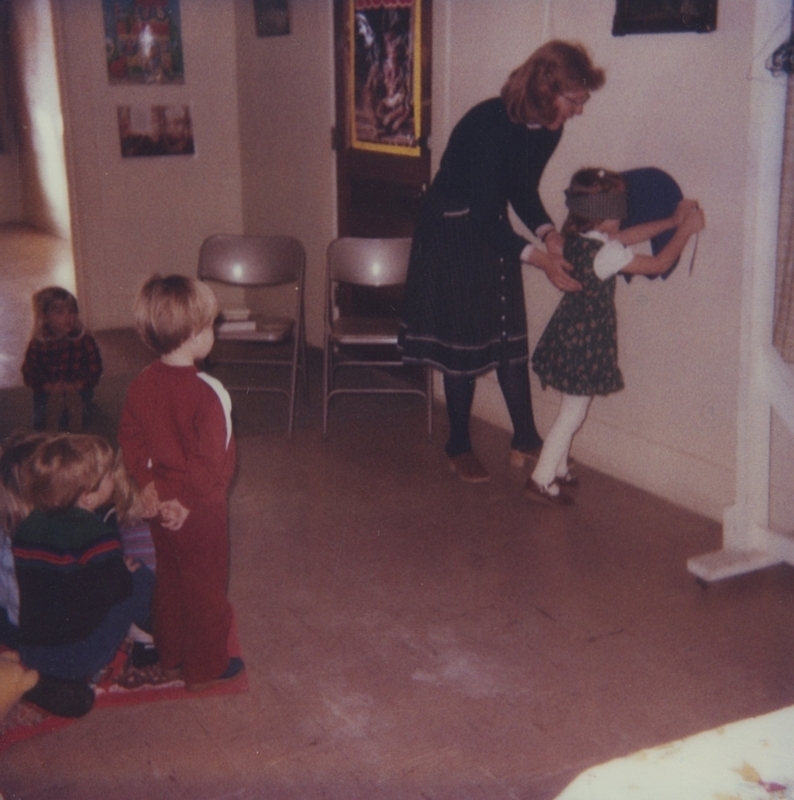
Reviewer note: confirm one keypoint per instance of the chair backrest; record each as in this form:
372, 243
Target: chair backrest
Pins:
251, 260
368, 262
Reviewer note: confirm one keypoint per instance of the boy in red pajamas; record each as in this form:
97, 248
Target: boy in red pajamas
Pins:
176, 437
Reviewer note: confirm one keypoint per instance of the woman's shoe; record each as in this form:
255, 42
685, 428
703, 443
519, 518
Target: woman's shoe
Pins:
522, 458
468, 468
540, 494
567, 481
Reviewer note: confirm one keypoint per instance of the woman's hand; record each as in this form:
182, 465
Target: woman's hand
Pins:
556, 269
554, 242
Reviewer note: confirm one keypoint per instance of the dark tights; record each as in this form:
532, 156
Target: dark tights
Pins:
514, 382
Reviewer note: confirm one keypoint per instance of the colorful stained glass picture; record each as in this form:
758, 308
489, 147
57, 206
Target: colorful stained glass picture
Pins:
385, 81
143, 41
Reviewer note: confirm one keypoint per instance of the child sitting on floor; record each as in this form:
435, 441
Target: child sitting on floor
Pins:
62, 363
16, 450
78, 596
177, 440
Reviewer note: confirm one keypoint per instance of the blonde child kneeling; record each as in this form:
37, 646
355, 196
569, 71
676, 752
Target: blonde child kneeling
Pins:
577, 353
178, 445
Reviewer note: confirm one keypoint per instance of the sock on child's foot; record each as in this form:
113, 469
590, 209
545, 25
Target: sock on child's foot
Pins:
551, 489
138, 635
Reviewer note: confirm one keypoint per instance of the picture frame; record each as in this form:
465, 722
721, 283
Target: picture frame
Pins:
385, 76
272, 17
664, 16
143, 41
156, 130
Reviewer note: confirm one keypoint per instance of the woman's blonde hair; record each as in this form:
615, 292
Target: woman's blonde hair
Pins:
46, 300
531, 91
168, 311
64, 467
587, 181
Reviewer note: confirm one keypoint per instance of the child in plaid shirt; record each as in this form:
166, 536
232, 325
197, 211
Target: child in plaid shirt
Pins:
62, 363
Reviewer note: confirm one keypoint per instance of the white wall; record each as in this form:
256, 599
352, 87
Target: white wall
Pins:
676, 101
263, 108
285, 86
136, 216
45, 201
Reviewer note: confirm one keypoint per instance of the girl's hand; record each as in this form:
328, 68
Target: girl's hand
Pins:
150, 502
173, 514
131, 564
683, 208
694, 221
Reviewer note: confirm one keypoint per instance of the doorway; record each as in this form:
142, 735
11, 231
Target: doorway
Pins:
382, 74
35, 220
382, 57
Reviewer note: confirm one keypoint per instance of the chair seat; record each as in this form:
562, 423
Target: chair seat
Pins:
267, 329
365, 340
368, 331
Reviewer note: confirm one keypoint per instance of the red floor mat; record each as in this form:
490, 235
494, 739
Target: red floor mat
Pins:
120, 685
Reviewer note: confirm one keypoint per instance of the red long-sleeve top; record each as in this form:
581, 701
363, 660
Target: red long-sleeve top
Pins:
174, 431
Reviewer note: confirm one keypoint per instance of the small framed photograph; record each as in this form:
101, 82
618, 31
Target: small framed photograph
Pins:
155, 131
664, 16
272, 17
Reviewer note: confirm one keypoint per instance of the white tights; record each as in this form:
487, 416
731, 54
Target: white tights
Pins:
553, 461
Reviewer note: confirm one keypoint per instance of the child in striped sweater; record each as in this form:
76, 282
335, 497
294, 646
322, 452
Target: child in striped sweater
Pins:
79, 597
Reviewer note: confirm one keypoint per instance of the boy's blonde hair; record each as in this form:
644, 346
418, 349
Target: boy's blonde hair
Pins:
530, 93
168, 311
63, 468
126, 495
44, 301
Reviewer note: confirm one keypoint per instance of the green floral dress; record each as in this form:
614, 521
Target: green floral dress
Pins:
578, 352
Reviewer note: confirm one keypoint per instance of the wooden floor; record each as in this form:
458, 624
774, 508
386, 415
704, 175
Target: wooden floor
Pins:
410, 636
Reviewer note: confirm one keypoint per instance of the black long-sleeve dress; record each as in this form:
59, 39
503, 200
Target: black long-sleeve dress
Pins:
464, 309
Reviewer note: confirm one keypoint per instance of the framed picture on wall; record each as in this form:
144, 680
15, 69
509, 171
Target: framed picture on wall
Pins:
143, 41
272, 17
384, 75
664, 16
155, 131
